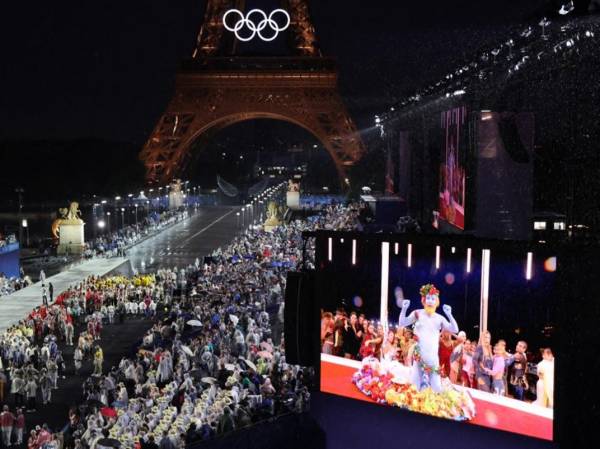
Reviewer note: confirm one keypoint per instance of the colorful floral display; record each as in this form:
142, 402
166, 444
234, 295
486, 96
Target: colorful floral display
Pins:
382, 388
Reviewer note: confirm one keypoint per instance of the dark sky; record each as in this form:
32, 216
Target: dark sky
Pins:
105, 69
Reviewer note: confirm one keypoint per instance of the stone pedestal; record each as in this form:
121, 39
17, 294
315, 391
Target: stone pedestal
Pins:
293, 200
71, 238
175, 200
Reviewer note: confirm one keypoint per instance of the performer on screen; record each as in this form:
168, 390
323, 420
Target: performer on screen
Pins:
427, 328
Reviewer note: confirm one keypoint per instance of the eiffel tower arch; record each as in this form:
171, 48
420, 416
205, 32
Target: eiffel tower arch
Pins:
217, 88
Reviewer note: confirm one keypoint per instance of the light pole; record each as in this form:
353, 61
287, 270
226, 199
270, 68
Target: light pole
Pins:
94, 218
136, 217
20, 191
108, 221
117, 199
243, 217
238, 221
26, 226
122, 218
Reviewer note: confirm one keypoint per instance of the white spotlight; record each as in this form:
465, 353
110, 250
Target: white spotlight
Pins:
468, 260
529, 267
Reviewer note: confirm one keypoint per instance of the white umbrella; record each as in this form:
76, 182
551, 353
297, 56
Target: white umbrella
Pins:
250, 365
234, 319
187, 350
195, 323
208, 380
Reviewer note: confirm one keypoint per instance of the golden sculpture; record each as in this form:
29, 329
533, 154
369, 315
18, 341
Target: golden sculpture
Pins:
70, 215
272, 216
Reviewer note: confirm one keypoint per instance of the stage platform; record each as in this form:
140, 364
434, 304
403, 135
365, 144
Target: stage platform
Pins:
16, 306
497, 412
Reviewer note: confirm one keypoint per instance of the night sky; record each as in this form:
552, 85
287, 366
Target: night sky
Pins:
105, 69
84, 83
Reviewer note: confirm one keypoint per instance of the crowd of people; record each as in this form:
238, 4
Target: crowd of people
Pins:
213, 360
10, 285
115, 243
470, 363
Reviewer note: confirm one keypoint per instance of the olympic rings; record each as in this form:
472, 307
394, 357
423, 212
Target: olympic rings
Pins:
246, 22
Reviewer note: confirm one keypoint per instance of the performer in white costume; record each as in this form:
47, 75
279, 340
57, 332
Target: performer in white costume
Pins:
427, 328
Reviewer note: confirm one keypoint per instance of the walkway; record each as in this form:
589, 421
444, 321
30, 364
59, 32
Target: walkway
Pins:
16, 306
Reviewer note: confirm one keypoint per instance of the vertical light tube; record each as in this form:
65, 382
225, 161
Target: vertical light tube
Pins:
468, 260
330, 249
485, 290
396, 248
353, 251
409, 255
438, 252
529, 267
453, 249
385, 273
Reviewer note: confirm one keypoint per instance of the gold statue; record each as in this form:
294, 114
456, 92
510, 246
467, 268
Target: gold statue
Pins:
71, 215
272, 216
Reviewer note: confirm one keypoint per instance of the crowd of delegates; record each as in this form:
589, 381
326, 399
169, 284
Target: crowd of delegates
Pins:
212, 362
31, 362
10, 285
7, 240
471, 363
115, 243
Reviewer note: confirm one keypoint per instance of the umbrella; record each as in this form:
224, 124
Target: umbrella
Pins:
266, 346
194, 323
108, 412
108, 443
187, 350
234, 319
209, 380
250, 365
265, 355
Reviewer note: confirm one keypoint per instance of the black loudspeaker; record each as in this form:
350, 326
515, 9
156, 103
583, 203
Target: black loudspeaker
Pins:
576, 410
301, 319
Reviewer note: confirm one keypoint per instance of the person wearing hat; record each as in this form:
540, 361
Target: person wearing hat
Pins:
19, 426
7, 420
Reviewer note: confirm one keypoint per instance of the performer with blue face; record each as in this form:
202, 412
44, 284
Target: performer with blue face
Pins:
427, 328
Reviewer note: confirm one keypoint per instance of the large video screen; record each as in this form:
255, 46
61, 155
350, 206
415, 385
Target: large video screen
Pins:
454, 128
458, 332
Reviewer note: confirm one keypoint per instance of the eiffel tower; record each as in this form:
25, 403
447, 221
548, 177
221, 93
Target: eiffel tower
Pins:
218, 87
